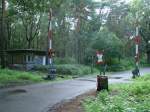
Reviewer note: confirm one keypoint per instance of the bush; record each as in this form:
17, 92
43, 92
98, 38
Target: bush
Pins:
66, 60
40, 68
105, 103
133, 97
30, 77
143, 62
68, 69
75, 69
123, 64
9, 76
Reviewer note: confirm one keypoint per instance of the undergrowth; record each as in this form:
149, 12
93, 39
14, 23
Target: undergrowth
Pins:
133, 97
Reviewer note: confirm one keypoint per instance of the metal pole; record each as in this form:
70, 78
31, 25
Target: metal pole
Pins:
52, 70
136, 71
137, 46
50, 36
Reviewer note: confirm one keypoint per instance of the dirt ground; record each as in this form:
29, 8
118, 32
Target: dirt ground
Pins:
74, 105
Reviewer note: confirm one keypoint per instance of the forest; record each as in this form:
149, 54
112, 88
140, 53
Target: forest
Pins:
54, 53
79, 29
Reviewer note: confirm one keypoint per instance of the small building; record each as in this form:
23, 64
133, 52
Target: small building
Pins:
25, 58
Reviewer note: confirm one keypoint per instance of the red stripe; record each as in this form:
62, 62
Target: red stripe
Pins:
99, 52
50, 34
100, 62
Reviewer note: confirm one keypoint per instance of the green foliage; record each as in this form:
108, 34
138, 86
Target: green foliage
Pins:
136, 5
12, 76
143, 62
41, 68
113, 51
120, 65
68, 69
66, 60
115, 64
105, 103
78, 30
112, 47
109, 42
134, 97
142, 9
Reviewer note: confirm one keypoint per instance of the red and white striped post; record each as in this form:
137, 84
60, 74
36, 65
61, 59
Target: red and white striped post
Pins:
137, 41
50, 37
50, 52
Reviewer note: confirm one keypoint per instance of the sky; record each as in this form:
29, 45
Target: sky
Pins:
127, 1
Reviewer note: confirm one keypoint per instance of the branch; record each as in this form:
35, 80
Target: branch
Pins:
37, 28
26, 28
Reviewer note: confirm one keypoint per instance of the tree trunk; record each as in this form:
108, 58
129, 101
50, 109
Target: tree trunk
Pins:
9, 34
2, 36
29, 44
148, 57
148, 51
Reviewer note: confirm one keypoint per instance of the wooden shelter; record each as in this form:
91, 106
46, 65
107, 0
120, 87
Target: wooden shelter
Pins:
25, 58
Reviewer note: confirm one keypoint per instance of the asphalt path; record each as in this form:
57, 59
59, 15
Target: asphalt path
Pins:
40, 97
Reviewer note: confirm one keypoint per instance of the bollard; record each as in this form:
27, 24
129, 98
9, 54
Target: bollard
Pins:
102, 83
135, 72
51, 73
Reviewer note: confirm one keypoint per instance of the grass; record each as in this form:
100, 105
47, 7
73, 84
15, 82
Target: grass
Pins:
68, 69
64, 72
134, 97
12, 77
9, 78
74, 69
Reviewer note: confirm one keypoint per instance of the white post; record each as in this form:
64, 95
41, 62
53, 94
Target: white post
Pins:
44, 60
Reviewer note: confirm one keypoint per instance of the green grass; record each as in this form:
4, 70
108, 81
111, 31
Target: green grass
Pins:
64, 72
12, 77
134, 97
9, 78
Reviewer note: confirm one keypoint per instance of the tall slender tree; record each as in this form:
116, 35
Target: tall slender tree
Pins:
2, 38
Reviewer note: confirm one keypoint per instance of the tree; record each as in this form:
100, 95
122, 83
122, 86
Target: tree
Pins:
75, 28
142, 8
110, 43
30, 17
2, 38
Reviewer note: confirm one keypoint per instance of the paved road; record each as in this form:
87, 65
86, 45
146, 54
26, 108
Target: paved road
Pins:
38, 97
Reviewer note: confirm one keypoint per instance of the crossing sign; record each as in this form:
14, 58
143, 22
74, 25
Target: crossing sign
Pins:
99, 55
